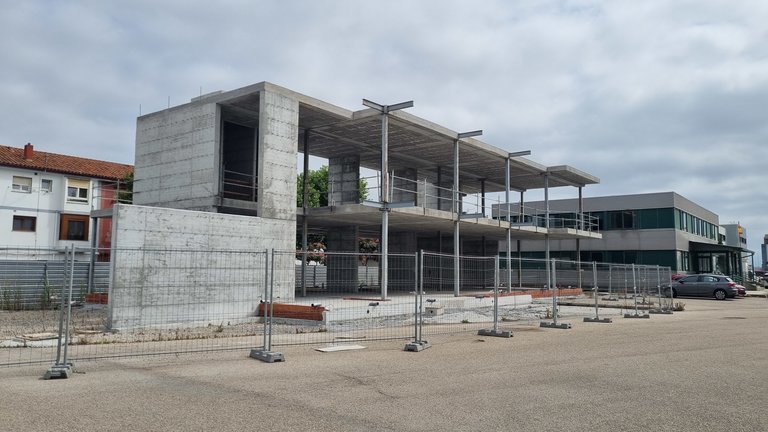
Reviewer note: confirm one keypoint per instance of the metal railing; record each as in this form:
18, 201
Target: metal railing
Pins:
239, 186
420, 193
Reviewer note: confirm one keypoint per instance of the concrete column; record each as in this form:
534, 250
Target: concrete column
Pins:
341, 270
278, 144
546, 236
402, 273
344, 180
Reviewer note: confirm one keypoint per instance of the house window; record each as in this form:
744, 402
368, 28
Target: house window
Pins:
73, 227
22, 184
46, 185
24, 223
77, 190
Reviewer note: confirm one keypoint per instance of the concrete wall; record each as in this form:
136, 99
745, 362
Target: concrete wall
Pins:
342, 269
344, 180
278, 142
171, 287
177, 158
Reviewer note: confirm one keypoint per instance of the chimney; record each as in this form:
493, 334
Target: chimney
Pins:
28, 151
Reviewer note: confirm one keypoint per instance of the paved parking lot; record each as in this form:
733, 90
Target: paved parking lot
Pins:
705, 369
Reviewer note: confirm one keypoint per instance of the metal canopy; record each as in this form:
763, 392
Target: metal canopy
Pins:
413, 143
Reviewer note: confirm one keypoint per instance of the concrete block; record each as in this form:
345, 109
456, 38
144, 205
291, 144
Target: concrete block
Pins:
495, 333
660, 311
267, 356
417, 346
597, 320
434, 310
564, 326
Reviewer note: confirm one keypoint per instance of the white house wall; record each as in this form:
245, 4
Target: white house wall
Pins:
144, 292
45, 206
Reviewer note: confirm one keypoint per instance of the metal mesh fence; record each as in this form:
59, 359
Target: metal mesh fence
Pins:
159, 302
346, 303
179, 301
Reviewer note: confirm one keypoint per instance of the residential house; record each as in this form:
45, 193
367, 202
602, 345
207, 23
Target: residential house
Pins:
46, 199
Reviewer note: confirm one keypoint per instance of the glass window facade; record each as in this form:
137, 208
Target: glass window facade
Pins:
693, 225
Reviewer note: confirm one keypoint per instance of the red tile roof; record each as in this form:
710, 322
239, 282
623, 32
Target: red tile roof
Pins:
63, 164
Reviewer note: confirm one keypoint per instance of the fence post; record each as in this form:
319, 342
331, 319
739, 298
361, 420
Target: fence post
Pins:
554, 323
495, 331
634, 291
265, 353
659, 309
62, 368
597, 318
419, 344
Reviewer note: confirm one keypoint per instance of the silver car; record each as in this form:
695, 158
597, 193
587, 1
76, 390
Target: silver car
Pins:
703, 285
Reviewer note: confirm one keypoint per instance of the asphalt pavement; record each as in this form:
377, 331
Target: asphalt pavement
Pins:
704, 369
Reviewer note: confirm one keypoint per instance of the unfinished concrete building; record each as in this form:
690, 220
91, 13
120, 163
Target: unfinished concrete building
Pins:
236, 154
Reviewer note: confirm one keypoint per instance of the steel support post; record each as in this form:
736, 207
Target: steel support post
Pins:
385, 199
305, 223
457, 219
550, 267
509, 225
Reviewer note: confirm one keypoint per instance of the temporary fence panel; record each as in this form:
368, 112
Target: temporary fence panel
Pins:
348, 305
162, 302
29, 278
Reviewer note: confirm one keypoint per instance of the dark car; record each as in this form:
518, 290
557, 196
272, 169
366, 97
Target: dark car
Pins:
703, 285
741, 290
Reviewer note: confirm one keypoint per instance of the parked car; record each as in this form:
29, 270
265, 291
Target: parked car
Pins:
741, 290
703, 285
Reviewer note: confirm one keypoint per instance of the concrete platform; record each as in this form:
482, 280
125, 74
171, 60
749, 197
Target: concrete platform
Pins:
356, 306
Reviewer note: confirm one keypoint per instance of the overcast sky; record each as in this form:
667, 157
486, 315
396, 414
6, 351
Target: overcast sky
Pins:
649, 96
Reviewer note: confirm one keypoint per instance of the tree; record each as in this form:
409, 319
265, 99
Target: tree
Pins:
125, 189
317, 188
